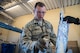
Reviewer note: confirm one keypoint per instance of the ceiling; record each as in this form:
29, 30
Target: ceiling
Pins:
15, 8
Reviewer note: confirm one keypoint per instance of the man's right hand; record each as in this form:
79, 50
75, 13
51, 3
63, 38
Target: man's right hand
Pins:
41, 44
71, 19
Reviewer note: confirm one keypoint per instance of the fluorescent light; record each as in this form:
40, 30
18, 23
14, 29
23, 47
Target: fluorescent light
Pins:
30, 1
14, 7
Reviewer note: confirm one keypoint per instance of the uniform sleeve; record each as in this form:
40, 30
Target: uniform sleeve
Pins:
26, 38
53, 36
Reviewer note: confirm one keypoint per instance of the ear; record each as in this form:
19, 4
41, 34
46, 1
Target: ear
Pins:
33, 10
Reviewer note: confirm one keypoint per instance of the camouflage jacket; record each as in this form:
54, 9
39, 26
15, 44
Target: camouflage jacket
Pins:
35, 30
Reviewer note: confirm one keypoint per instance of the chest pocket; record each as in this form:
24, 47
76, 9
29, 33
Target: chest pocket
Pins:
36, 30
46, 29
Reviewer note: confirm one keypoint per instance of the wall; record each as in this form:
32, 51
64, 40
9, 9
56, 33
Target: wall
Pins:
53, 17
4, 32
74, 32
4, 35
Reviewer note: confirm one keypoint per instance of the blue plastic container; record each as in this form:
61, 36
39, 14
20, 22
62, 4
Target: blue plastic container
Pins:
7, 48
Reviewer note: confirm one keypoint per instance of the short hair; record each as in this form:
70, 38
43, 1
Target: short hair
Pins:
39, 4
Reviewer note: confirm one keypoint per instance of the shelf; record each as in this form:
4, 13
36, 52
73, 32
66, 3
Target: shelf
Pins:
9, 27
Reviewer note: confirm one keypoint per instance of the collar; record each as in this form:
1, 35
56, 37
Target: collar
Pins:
39, 22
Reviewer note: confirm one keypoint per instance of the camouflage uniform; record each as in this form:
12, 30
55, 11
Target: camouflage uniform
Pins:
34, 30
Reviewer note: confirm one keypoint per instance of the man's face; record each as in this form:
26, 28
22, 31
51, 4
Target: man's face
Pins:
39, 12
